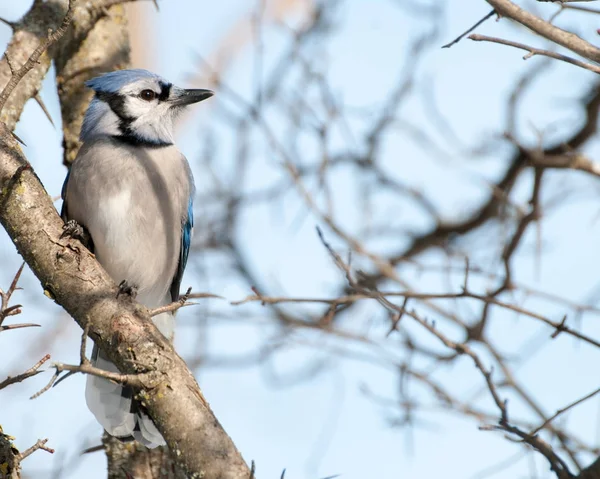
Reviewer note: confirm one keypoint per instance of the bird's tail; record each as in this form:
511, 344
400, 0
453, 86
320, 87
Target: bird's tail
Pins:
115, 409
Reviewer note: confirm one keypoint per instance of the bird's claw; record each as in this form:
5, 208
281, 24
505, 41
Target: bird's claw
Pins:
74, 230
127, 289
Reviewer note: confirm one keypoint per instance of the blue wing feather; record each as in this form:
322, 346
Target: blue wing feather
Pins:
63, 195
186, 238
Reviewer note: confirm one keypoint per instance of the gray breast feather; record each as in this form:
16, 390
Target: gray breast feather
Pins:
133, 201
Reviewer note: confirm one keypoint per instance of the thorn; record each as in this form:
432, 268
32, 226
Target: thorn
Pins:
7, 22
44, 109
17, 138
89, 450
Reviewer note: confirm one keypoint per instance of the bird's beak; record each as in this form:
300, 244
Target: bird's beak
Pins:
183, 97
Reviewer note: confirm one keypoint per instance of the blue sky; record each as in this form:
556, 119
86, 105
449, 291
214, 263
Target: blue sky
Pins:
328, 424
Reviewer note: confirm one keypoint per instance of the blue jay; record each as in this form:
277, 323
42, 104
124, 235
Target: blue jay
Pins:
132, 190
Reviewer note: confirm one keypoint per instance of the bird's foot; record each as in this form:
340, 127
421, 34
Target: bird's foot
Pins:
74, 230
127, 289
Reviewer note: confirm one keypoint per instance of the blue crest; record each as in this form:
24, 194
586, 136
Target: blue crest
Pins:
112, 82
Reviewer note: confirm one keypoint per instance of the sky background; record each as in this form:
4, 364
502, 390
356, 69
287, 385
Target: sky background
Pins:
328, 424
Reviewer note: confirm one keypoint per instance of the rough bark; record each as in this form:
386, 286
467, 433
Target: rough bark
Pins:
72, 277
9, 463
138, 461
27, 34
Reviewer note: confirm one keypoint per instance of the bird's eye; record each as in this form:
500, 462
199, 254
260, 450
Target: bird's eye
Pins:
148, 95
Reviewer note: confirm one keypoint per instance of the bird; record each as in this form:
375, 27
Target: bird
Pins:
130, 190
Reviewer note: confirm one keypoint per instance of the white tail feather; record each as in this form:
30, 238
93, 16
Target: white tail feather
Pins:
112, 409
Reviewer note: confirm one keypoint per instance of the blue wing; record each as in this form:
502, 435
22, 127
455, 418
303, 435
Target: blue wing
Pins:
186, 238
63, 195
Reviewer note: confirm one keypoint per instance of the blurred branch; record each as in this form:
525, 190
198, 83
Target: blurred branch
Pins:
464, 34
556, 463
536, 51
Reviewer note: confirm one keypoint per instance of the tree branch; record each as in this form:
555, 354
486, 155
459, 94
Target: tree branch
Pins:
535, 51
569, 40
52, 38
32, 371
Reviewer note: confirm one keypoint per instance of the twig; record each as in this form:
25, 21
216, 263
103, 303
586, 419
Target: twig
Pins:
170, 307
20, 325
398, 317
565, 1
27, 374
569, 40
182, 302
563, 410
535, 51
6, 310
556, 463
580, 9
40, 444
365, 294
47, 386
462, 35
138, 381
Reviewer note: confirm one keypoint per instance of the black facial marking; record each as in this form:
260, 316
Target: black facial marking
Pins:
165, 89
116, 103
132, 139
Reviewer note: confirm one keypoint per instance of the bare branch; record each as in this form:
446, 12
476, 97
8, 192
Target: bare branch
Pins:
563, 410
569, 40
464, 34
536, 51
40, 444
32, 371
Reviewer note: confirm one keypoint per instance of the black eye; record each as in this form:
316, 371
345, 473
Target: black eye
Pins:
147, 95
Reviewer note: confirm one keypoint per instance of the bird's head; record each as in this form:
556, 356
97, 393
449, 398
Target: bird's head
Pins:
136, 106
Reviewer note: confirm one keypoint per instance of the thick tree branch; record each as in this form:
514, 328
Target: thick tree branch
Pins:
17, 75
121, 327
29, 32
